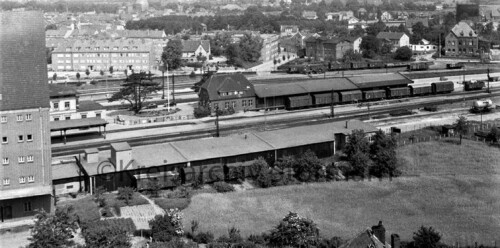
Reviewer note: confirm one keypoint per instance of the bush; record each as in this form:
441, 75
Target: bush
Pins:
116, 223
168, 226
403, 53
99, 235
223, 187
175, 243
192, 74
203, 237
172, 203
201, 112
85, 208
125, 194
194, 64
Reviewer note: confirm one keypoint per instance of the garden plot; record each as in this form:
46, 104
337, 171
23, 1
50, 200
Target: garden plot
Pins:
141, 214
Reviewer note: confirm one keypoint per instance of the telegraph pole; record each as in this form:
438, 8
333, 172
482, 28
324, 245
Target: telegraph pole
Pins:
217, 134
332, 113
489, 79
173, 87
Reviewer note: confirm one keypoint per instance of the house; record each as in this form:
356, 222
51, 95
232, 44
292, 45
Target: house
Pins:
488, 12
270, 46
327, 49
397, 39
310, 15
288, 30
373, 238
353, 22
293, 44
362, 13
461, 41
356, 42
192, 48
339, 15
227, 91
386, 16
65, 105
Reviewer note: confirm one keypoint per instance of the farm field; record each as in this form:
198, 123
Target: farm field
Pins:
456, 192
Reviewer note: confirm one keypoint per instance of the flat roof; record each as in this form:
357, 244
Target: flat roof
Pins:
6, 194
77, 123
65, 170
157, 154
379, 80
121, 146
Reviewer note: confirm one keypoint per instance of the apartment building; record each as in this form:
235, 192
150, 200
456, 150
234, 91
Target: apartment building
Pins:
462, 41
96, 55
25, 170
269, 49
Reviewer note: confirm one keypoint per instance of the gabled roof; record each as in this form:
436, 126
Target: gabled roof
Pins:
379, 80
365, 239
228, 83
151, 34
192, 45
304, 87
462, 29
390, 35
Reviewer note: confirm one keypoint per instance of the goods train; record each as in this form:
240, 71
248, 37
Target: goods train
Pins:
473, 85
352, 96
482, 106
306, 68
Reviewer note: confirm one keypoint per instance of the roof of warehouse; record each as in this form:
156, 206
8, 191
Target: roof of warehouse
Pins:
158, 154
379, 80
303, 87
65, 170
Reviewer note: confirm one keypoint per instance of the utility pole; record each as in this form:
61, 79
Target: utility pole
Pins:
163, 80
332, 111
173, 87
168, 92
489, 79
217, 121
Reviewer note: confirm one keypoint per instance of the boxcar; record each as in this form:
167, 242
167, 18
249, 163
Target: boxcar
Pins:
299, 101
442, 87
398, 92
350, 96
326, 98
374, 94
420, 90
417, 67
454, 66
470, 85
359, 65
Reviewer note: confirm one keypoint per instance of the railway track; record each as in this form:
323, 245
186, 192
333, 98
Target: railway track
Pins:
267, 124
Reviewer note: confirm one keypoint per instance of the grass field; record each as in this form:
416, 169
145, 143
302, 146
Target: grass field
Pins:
456, 192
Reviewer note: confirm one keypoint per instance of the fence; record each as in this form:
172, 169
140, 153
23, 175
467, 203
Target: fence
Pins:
153, 119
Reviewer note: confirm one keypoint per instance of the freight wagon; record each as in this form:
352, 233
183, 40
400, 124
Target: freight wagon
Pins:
473, 85
442, 87
294, 102
351, 96
326, 98
398, 92
374, 95
420, 90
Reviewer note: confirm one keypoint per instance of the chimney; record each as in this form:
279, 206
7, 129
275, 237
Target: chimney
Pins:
395, 241
379, 232
92, 155
121, 155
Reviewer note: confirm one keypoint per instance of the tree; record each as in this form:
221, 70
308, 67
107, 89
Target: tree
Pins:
53, 230
78, 76
358, 31
374, 29
250, 48
386, 48
166, 227
126, 194
172, 54
403, 53
357, 152
308, 167
101, 73
383, 155
370, 44
104, 236
233, 52
426, 237
351, 56
201, 58
87, 72
294, 231
494, 134
462, 126
137, 87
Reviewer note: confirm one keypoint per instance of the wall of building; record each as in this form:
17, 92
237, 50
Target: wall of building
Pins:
269, 47
238, 104
461, 46
96, 61
24, 207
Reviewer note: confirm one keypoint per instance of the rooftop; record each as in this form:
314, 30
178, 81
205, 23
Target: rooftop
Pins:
192, 45
303, 87
390, 35
462, 29
379, 80
77, 123
57, 90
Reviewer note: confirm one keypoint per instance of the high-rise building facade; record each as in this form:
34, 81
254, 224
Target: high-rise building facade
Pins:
25, 172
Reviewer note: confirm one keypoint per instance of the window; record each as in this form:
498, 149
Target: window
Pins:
67, 118
5, 140
56, 118
250, 103
29, 137
28, 117
69, 186
3, 119
19, 117
20, 138
31, 179
27, 206
22, 179
84, 116
244, 103
233, 103
20, 159
98, 115
6, 181
66, 105
5, 161
226, 105
29, 158
56, 105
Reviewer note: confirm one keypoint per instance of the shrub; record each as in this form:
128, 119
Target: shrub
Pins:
98, 234
116, 223
172, 203
201, 112
166, 227
223, 187
203, 237
192, 74
194, 64
125, 194
294, 231
175, 243
85, 208
99, 196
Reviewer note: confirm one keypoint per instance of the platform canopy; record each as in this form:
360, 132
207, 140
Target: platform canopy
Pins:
77, 124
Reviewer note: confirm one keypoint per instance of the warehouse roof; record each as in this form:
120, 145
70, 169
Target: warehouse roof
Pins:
160, 154
221, 87
303, 87
380, 80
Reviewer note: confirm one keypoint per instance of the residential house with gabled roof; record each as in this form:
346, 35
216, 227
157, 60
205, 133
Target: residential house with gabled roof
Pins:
227, 91
397, 39
192, 48
288, 30
310, 15
373, 238
462, 41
